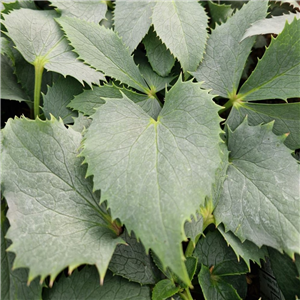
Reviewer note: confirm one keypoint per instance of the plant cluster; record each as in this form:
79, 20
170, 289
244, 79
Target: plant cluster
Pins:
159, 157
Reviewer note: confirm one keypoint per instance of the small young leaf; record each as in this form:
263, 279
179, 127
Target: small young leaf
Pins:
194, 228
164, 289
160, 58
132, 21
181, 25
270, 25
264, 209
214, 287
132, 262
47, 45
55, 218
58, 96
246, 250
286, 274
104, 50
219, 12
84, 284
154, 81
223, 63
91, 11
286, 118
10, 88
277, 78
155, 174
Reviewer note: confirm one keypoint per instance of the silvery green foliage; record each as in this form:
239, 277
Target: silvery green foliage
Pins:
120, 173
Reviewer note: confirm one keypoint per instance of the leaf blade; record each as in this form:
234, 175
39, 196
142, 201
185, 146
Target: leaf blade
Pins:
134, 133
132, 21
91, 11
282, 80
91, 40
286, 118
47, 44
267, 214
86, 283
182, 28
222, 66
41, 225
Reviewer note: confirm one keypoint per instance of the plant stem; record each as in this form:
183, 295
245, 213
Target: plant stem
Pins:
186, 295
227, 105
38, 68
191, 246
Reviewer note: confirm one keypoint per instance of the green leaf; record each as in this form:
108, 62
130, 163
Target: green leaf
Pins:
213, 252
181, 25
132, 262
8, 5
154, 81
164, 289
277, 79
219, 12
214, 287
286, 118
88, 101
55, 218
132, 20
84, 284
286, 274
155, 174
222, 66
91, 11
293, 3
108, 21
58, 96
270, 25
14, 282
297, 263
193, 228
104, 50
81, 123
246, 250
239, 283
191, 266
160, 58
46, 46
10, 88
264, 209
